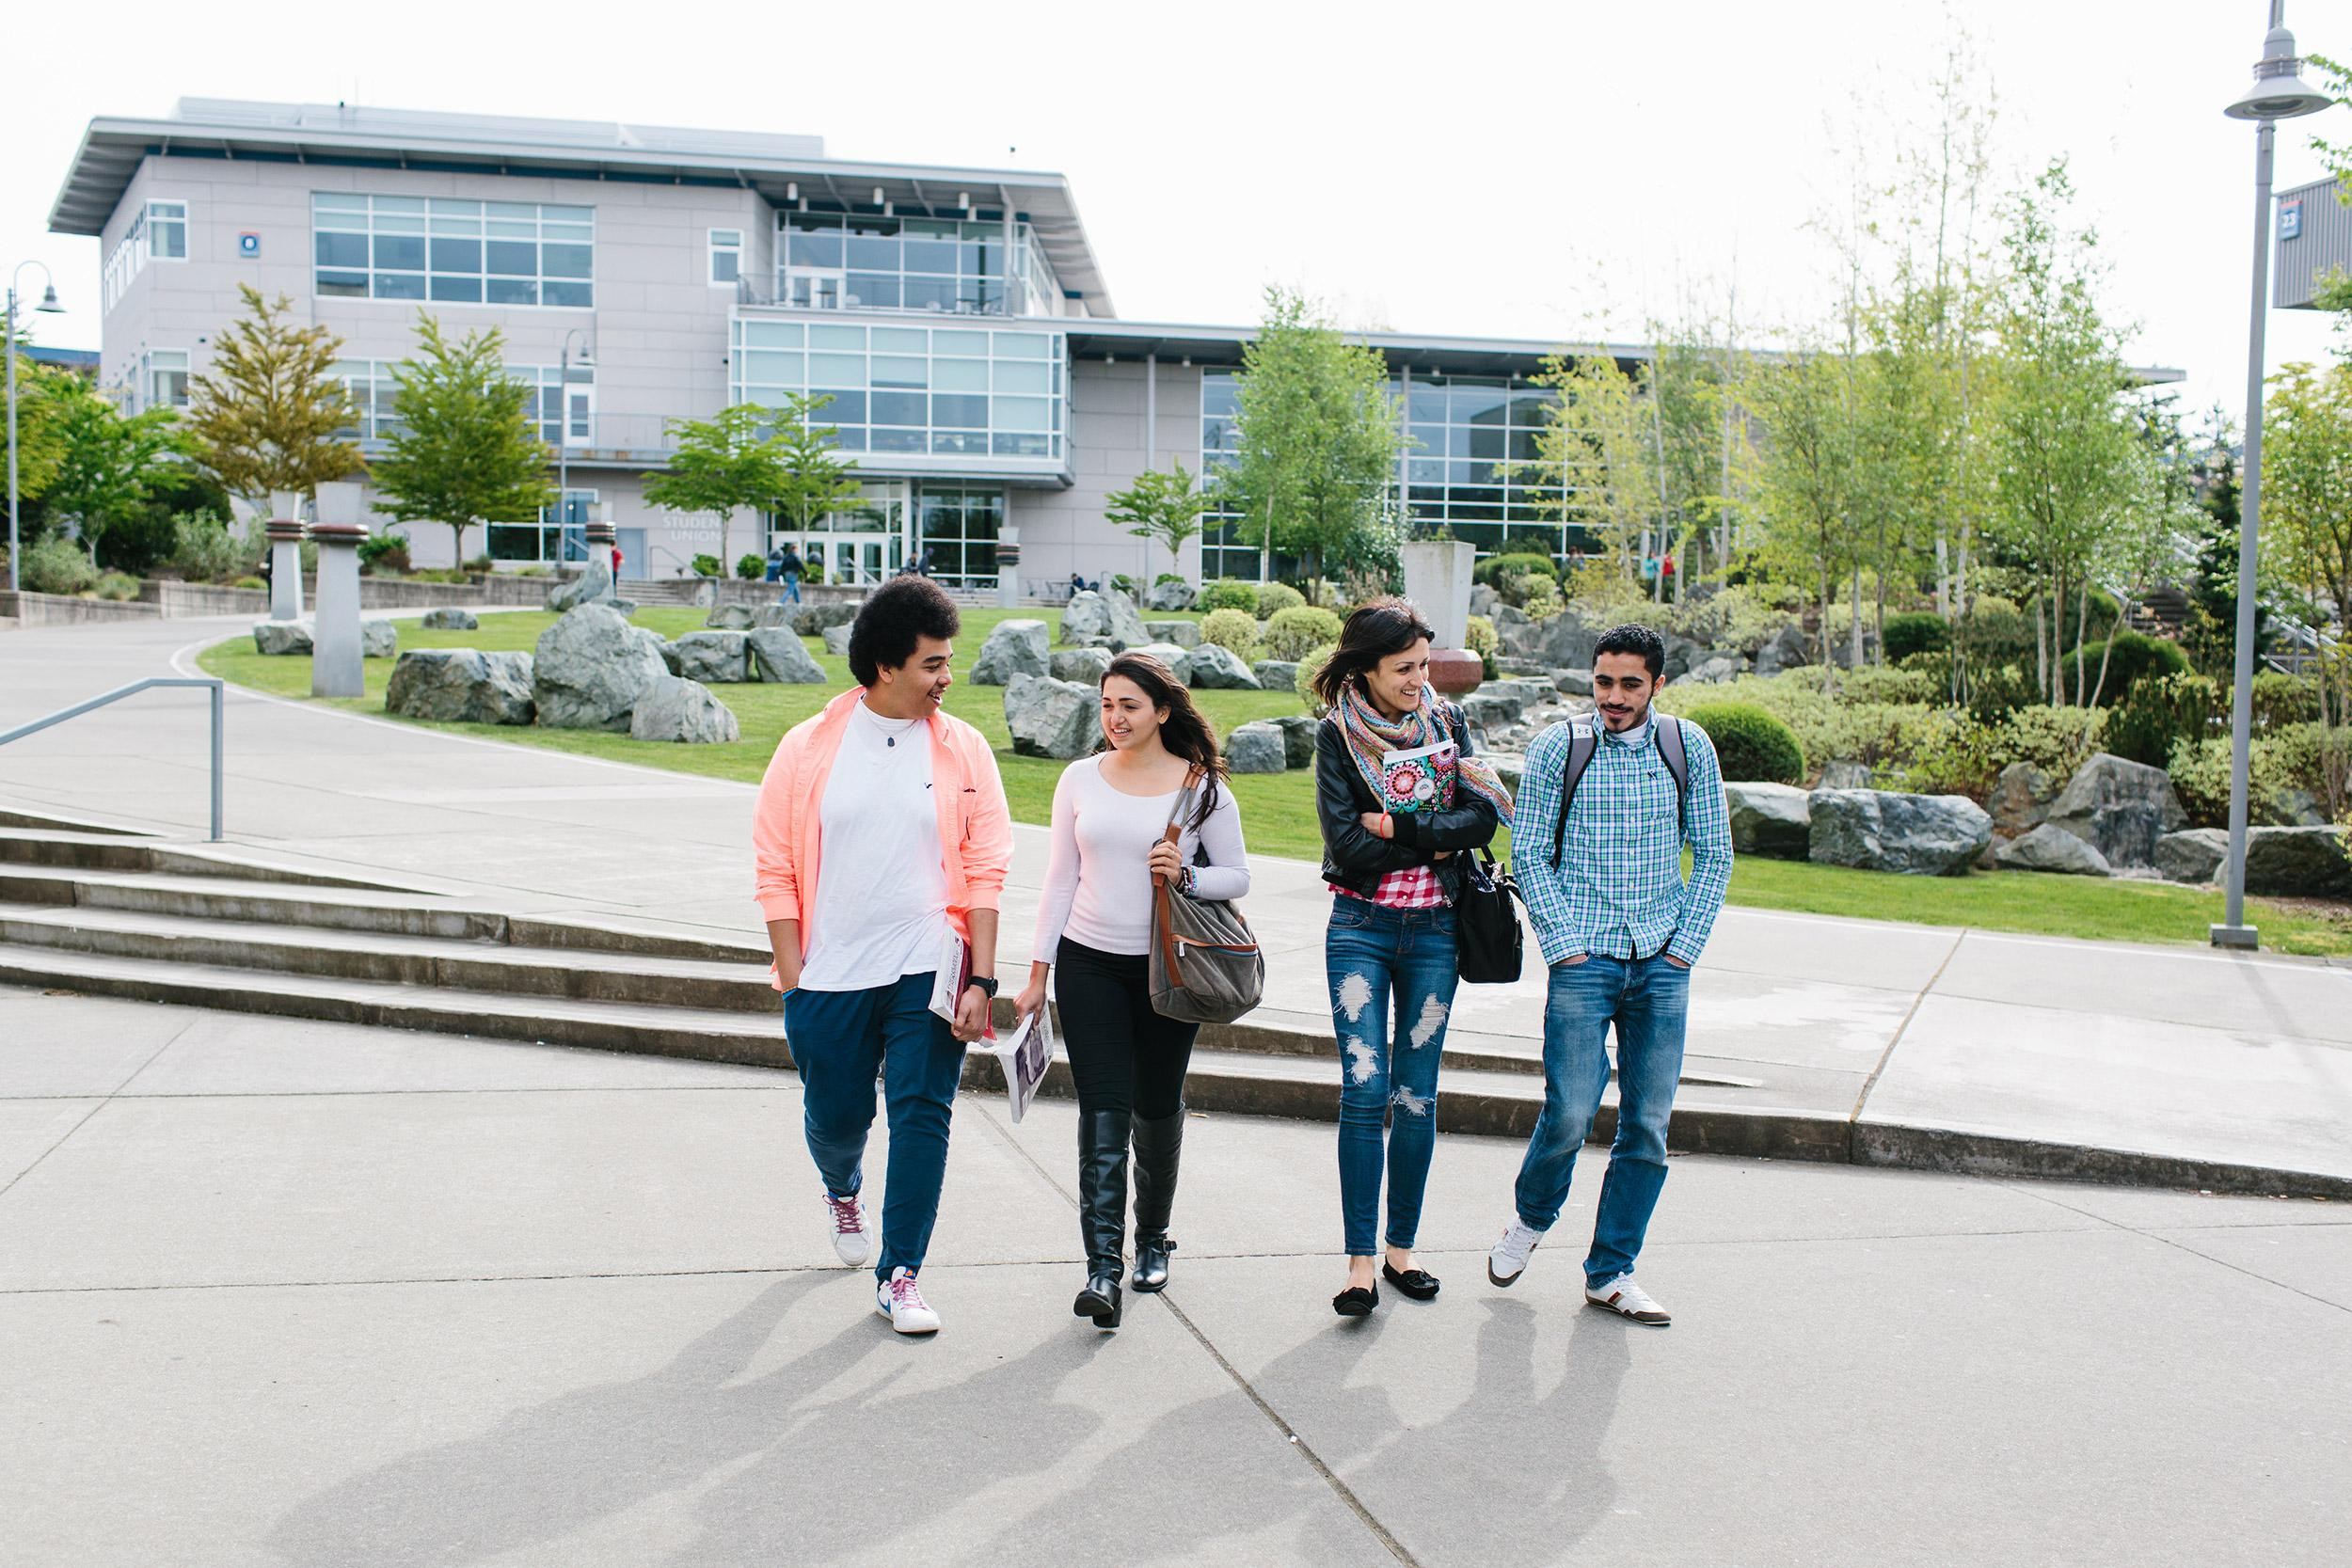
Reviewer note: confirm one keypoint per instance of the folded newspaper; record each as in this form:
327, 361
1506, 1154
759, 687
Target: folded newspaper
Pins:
1024, 1056
953, 974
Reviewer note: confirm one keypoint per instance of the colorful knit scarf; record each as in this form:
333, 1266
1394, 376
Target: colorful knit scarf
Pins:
1371, 737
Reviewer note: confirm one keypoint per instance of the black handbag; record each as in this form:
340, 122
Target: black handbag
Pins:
1486, 925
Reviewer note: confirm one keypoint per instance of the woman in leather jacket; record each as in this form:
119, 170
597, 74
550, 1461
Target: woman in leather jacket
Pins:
1402, 801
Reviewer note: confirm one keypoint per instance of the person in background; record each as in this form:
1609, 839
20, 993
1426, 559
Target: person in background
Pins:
1400, 798
616, 564
774, 565
1112, 813
905, 807
789, 568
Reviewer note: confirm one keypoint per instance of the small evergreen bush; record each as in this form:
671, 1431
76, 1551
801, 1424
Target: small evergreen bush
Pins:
2160, 713
56, 566
120, 586
1299, 630
1276, 596
1915, 631
1497, 569
1481, 636
1231, 593
707, 566
751, 566
2135, 657
1308, 669
1233, 629
1752, 745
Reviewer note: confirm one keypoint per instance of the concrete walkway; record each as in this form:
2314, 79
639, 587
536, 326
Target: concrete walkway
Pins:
285, 1293
1913, 1032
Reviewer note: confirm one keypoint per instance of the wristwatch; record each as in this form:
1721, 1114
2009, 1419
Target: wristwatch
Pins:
986, 982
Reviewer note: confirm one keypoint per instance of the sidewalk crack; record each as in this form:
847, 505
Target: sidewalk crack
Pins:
1904, 1027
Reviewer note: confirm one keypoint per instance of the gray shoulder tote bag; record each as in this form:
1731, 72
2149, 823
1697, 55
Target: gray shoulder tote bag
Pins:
1205, 963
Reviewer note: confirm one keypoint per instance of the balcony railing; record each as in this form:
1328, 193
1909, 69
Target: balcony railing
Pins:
602, 438
985, 297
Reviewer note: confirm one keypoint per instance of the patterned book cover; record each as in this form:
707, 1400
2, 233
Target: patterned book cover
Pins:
1417, 779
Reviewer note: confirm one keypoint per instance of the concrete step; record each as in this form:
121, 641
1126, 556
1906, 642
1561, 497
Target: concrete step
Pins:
114, 852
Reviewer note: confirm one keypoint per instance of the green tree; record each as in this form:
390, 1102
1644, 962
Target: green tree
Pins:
1161, 506
1595, 460
734, 460
42, 392
467, 450
269, 414
2307, 509
1317, 433
109, 463
2211, 632
818, 479
1804, 471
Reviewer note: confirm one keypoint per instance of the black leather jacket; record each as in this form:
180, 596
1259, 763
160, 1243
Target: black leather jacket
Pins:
1355, 858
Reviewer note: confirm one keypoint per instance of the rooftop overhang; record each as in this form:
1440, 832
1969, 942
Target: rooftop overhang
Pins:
113, 147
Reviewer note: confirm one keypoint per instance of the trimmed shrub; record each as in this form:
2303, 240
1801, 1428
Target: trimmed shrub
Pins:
2288, 760
1299, 630
1753, 746
707, 566
1541, 598
1234, 629
249, 582
751, 566
1309, 668
1497, 569
2161, 712
204, 549
2283, 699
1481, 636
1231, 593
2136, 657
1915, 631
1274, 597
1168, 576
56, 566
120, 586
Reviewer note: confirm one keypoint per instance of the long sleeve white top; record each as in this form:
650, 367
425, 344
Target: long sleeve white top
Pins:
1098, 880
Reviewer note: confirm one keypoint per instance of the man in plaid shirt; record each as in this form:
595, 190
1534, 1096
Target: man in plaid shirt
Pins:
1620, 929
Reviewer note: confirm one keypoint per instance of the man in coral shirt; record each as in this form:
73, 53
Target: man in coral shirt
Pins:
881, 828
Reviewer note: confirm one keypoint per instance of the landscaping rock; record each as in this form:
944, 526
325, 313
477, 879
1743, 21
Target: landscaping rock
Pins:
1050, 718
1503, 614
1276, 675
1168, 654
769, 615
2119, 808
1483, 599
1714, 671
2021, 797
450, 620
780, 658
1111, 613
675, 709
1784, 651
1572, 683
1256, 748
837, 639
1174, 594
1682, 655
1769, 820
2192, 855
1216, 669
1562, 643
729, 617
1491, 710
1845, 775
1298, 738
281, 637
811, 619
2050, 848
462, 686
624, 608
2298, 863
1185, 634
2298, 808
378, 640
1919, 835
1014, 648
714, 657
594, 583
668, 650
1084, 665
591, 667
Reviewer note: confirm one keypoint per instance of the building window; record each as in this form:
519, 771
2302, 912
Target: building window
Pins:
559, 537
158, 231
965, 393
374, 384
1467, 433
726, 256
958, 525
412, 248
837, 262
164, 378
167, 229
1224, 553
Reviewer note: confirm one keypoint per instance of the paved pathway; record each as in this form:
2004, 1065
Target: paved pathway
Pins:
275, 1293
2196, 1055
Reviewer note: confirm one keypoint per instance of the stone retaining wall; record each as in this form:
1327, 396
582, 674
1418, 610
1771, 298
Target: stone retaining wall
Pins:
57, 609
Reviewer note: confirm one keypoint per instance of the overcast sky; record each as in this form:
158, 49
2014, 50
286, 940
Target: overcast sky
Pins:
1532, 170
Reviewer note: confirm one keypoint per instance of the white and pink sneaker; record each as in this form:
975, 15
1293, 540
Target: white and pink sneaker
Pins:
852, 1240
901, 1299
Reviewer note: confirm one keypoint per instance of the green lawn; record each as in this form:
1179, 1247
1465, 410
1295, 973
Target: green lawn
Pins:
1277, 809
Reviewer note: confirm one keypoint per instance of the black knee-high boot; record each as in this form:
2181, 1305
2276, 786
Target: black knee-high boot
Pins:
1102, 1211
1159, 1147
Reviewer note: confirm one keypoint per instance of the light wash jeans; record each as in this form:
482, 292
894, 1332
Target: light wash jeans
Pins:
1374, 956
1649, 1000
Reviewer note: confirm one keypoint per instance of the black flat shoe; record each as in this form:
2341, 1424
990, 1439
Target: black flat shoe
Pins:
1419, 1284
1356, 1301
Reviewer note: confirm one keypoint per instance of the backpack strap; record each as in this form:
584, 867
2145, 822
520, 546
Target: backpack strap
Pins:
1672, 752
1583, 743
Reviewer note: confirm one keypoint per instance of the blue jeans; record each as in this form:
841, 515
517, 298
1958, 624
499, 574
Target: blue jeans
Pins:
841, 1040
1373, 955
1649, 1000
792, 594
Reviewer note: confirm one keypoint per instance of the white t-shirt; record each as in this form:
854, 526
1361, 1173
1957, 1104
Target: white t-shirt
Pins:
881, 890
1097, 880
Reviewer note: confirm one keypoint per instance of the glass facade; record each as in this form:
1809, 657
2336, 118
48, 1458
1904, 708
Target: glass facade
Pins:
965, 391
158, 232
373, 386
842, 261
558, 536
958, 524
459, 252
1224, 553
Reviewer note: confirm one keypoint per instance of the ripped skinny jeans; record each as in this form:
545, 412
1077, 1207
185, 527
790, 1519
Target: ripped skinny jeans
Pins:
1388, 1075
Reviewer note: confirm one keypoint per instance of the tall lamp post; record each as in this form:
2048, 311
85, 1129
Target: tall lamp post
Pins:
8, 341
563, 431
2279, 93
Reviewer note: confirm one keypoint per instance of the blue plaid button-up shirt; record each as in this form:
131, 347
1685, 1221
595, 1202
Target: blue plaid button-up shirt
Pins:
1618, 890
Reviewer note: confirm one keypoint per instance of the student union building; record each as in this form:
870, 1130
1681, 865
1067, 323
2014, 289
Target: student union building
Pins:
988, 390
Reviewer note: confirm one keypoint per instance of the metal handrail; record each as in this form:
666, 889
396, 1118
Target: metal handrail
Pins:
117, 695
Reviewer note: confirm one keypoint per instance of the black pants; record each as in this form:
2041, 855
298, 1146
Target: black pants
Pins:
1123, 1056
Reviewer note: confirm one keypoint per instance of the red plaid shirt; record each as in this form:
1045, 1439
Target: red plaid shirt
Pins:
1416, 887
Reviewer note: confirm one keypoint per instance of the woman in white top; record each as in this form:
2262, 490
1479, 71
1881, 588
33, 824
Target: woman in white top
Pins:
1111, 813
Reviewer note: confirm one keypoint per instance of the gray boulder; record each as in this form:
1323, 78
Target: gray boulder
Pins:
1483, 599
2021, 799
837, 639
1050, 718
1786, 650
281, 637
461, 685
1014, 648
593, 585
1185, 634
1491, 710
780, 658
2297, 808
714, 657
2119, 808
675, 709
2049, 848
1298, 738
1109, 614
1216, 669
1174, 594
1276, 675
1919, 835
1572, 683
1168, 654
767, 615
2298, 863
1714, 671
591, 667
811, 619
1505, 614
624, 608
668, 650
450, 620
1084, 665
1256, 748
730, 617
1769, 820
2192, 855
1562, 643
378, 640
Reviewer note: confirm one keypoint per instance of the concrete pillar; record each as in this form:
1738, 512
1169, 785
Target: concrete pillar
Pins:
601, 536
336, 655
285, 533
1008, 561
